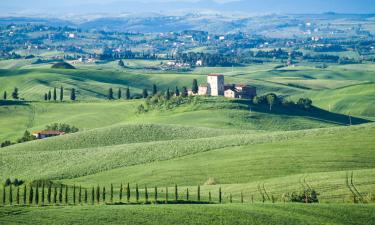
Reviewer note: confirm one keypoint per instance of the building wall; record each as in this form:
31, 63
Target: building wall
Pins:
216, 85
230, 94
202, 90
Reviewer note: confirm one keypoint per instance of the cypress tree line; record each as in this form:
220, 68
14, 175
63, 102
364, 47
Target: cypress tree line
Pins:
24, 194
187, 194
85, 196
119, 94
49, 193
66, 195
43, 193
5, 95
37, 194
80, 195
73, 94
55, 195
177, 91
128, 192
93, 195
18, 195
10, 195
175, 193
166, 195
4, 195
103, 195
61, 194
220, 197
111, 193
54, 94
110, 94
120, 193
199, 193
146, 195
136, 193
127, 93
156, 195
61, 93
154, 89
97, 194
74, 194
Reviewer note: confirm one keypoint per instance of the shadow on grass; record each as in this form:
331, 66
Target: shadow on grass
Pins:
11, 103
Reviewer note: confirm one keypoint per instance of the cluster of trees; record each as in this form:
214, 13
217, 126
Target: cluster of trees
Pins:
207, 59
15, 94
16, 182
62, 127
273, 100
53, 95
307, 195
27, 136
119, 94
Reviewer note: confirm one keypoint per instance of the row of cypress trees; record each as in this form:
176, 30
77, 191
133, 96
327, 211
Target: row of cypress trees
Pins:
59, 195
53, 95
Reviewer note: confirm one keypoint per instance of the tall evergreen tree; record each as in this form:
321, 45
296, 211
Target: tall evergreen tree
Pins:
10, 195
4, 195
103, 195
144, 93
5, 95
120, 193
61, 194
175, 193
37, 194
74, 194
168, 94
220, 195
49, 193
85, 196
93, 195
24, 194
146, 194
111, 193
73, 94
45, 97
61, 93
166, 195
154, 89
184, 92
110, 94
54, 94
49, 95
15, 94
43, 193
80, 195
209, 196
177, 91
195, 88
127, 93
18, 195
136, 193
97, 194
119, 94
128, 193
199, 193
187, 194
66, 195
55, 195
156, 195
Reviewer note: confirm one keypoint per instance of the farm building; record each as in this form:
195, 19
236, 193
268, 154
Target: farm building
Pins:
47, 133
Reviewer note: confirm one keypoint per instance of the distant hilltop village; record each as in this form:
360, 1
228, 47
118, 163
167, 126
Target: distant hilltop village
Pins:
216, 87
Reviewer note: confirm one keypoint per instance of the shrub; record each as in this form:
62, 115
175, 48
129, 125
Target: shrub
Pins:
307, 195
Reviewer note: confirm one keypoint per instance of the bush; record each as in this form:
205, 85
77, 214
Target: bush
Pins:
62, 127
308, 195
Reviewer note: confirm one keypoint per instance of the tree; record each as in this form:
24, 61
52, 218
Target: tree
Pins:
97, 194
187, 194
156, 195
120, 193
45, 96
5, 95
37, 194
49, 95
175, 193
136, 193
154, 89
144, 93
184, 92
24, 194
4, 195
93, 195
177, 92
220, 195
66, 195
119, 94
15, 94
43, 193
85, 198
55, 195
195, 88
49, 193
73, 94
166, 195
111, 193
61, 93
128, 193
305, 103
121, 63
127, 93
168, 94
199, 193
103, 195
146, 195
10, 195
54, 94
271, 98
110, 94
61, 194
74, 194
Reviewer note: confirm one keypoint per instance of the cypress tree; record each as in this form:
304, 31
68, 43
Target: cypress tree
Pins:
187, 194
4, 195
43, 193
175, 193
136, 193
166, 195
10, 195
110, 94
54, 94
74, 194
146, 195
220, 197
49, 193
127, 93
120, 193
61, 93
209, 196
45, 96
85, 196
93, 195
230, 198
184, 92
15, 94
61, 194
5, 95
119, 93
103, 195
168, 94
80, 195
156, 195
55, 195
241, 197
177, 91
128, 192
144, 93
154, 89
195, 88
73, 94
37, 194
111, 193
199, 193
98, 194
18, 195
24, 194
66, 195
49, 95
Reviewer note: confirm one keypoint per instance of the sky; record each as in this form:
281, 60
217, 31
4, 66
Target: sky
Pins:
18, 7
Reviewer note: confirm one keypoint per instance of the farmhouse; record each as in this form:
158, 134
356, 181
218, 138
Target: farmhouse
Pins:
47, 133
216, 87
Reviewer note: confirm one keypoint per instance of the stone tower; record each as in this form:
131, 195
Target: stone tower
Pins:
215, 84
